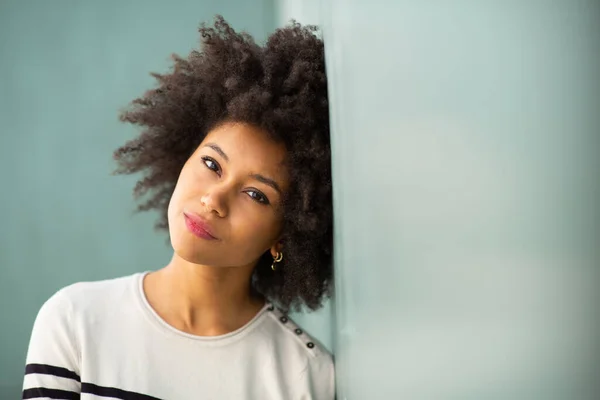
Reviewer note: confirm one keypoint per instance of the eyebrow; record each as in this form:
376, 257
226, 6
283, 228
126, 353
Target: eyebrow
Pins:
267, 181
218, 150
258, 177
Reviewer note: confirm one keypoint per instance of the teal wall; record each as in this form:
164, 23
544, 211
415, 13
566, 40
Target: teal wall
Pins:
466, 140
66, 67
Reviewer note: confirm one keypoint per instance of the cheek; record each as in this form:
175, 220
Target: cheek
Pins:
189, 182
181, 195
175, 198
259, 228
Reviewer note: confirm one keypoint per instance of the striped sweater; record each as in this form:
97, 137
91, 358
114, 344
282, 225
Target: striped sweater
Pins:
102, 339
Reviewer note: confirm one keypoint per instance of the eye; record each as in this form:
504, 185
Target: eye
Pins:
212, 165
258, 197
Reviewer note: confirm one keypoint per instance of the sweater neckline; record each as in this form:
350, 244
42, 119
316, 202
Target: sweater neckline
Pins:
162, 325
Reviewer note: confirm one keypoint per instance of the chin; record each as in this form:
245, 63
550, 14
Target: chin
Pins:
192, 257
189, 249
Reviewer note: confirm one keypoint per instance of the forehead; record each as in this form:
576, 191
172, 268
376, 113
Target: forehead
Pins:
250, 147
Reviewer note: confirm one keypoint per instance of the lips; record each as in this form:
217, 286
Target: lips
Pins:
198, 226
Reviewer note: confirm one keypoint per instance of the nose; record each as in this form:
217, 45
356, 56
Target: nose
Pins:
214, 200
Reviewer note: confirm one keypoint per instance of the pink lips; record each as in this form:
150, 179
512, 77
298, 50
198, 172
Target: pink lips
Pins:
198, 226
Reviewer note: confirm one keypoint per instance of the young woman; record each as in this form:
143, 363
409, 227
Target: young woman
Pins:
234, 153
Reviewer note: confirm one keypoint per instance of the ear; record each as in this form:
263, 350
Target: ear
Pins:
276, 248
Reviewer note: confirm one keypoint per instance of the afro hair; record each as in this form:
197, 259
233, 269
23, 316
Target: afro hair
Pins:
280, 87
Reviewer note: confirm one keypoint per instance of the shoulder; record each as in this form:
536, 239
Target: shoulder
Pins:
314, 364
86, 289
286, 330
55, 343
86, 296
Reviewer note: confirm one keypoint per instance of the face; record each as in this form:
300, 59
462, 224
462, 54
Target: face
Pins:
226, 207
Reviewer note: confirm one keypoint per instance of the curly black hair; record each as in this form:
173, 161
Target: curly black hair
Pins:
280, 87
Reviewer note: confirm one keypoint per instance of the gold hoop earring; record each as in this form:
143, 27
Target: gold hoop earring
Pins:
276, 260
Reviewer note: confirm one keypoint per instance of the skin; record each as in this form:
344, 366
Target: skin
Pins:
205, 288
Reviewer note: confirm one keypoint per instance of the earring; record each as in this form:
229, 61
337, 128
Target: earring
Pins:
276, 260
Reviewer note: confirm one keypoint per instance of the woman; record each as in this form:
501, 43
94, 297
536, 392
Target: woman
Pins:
235, 155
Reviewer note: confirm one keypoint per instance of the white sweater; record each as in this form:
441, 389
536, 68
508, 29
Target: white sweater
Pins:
94, 340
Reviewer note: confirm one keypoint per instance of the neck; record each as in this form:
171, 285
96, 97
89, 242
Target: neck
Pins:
202, 300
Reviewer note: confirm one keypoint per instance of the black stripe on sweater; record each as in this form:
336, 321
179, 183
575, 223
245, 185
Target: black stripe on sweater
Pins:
36, 393
114, 392
103, 391
46, 369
